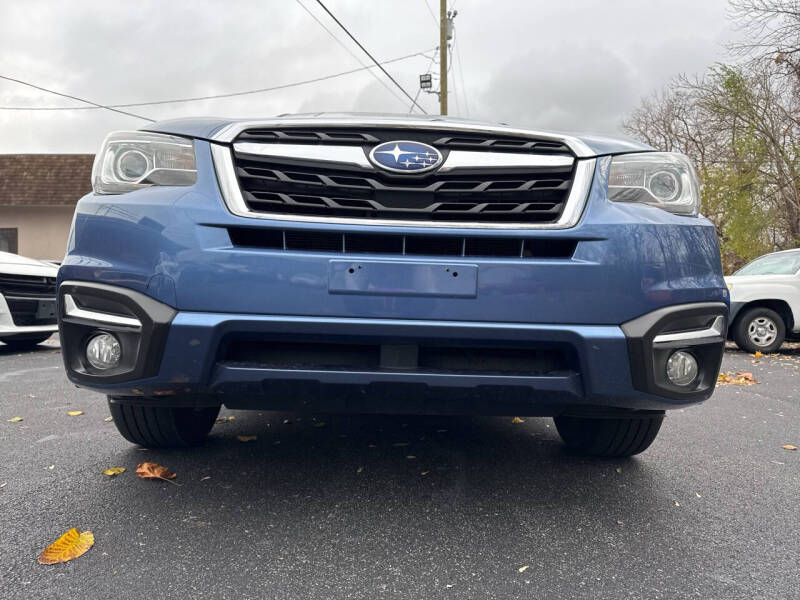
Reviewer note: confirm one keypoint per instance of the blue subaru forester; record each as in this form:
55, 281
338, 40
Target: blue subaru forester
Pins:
384, 264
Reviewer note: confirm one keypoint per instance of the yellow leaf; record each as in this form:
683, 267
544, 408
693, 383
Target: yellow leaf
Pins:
15, 419
70, 545
523, 569
758, 354
424, 473
74, 413
517, 420
221, 420
618, 469
108, 419
114, 471
246, 438
789, 447
151, 470
677, 503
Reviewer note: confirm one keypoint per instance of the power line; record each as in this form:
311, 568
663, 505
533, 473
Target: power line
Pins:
95, 104
463, 88
349, 51
216, 96
372, 58
430, 11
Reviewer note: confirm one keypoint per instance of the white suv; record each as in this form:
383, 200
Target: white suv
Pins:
27, 300
765, 302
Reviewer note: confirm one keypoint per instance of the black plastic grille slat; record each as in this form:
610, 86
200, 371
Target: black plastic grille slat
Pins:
27, 286
404, 245
311, 190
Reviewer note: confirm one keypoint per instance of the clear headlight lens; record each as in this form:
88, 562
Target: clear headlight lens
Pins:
130, 160
663, 179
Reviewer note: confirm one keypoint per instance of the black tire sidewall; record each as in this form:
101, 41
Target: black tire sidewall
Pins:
742, 339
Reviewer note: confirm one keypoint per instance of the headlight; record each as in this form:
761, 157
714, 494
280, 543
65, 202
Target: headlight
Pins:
130, 160
663, 179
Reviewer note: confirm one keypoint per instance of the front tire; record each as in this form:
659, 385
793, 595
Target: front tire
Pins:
608, 437
162, 426
759, 329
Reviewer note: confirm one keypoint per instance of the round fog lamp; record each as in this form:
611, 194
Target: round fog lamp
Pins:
103, 351
681, 368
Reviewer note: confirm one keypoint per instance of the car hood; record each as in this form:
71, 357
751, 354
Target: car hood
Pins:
14, 264
584, 145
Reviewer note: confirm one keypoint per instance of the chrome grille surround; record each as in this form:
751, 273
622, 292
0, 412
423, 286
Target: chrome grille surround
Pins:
335, 153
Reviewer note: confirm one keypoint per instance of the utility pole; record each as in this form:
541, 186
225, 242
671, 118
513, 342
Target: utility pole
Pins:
444, 25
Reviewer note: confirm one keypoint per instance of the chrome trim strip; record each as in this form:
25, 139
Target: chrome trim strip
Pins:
716, 330
71, 309
232, 196
353, 155
468, 159
229, 132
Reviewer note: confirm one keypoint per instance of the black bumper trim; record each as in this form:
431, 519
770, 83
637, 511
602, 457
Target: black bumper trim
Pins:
648, 359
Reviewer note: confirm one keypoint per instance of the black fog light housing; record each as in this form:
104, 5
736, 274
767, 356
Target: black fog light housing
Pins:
682, 368
104, 351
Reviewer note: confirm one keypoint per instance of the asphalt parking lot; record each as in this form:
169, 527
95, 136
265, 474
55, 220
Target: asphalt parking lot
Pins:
378, 507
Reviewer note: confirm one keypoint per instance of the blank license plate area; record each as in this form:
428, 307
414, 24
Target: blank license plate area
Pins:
384, 278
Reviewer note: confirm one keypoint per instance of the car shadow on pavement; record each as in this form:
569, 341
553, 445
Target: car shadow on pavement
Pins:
467, 462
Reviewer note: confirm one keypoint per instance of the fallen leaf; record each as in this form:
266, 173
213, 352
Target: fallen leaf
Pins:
220, 420
51, 467
738, 378
108, 419
69, 546
523, 569
114, 471
246, 438
677, 503
758, 354
424, 473
16, 419
789, 447
618, 469
517, 420
619, 522
359, 469
206, 478
287, 422
151, 470
411, 457
74, 413
698, 495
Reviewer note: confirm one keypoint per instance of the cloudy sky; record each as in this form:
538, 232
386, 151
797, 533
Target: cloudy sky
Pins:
551, 64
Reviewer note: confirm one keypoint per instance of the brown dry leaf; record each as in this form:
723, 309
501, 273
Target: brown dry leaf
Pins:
74, 413
151, 470
738, 378
246, 438
523, 569
114, 471
789, 447
70, 545
517, 420
16, 419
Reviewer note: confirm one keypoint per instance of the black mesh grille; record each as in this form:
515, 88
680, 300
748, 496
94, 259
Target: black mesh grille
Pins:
31, 300
410, 245
302, 187
25, 286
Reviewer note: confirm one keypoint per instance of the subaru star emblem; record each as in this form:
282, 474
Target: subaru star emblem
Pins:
403, 156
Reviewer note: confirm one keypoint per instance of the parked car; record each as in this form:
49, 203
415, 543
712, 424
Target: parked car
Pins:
765, 302
358, 263
27, 301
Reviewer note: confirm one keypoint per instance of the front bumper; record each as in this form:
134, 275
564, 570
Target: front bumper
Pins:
322, 363
39, 314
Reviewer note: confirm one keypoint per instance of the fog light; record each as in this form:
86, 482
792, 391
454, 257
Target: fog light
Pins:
681, 368
103, 352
